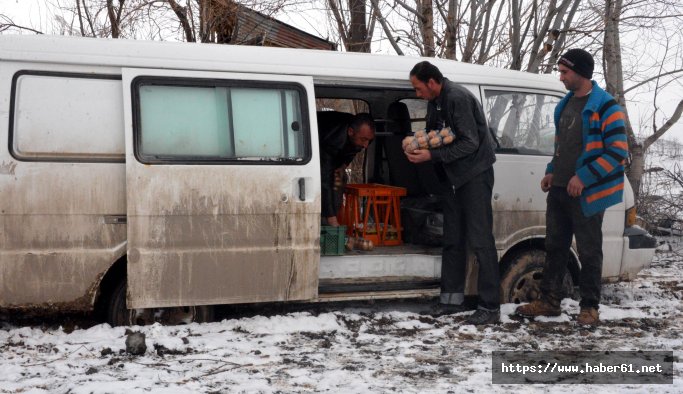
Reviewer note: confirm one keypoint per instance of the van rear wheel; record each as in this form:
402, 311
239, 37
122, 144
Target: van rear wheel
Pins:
119, 315
521, 282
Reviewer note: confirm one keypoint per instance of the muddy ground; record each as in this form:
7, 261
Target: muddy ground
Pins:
360, 347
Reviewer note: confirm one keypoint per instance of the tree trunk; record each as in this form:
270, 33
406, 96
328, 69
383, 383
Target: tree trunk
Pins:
181, 14
516, 35
612, 51
614, 80
636, 167
427, 27
483, 47
114, 18
451, 30
80, 18
471, 40
358, 31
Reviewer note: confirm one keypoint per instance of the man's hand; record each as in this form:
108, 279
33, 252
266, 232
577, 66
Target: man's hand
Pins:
575, 186
332, 221
419, 156
546, 182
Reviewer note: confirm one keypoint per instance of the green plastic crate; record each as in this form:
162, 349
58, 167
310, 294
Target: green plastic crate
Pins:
332, 240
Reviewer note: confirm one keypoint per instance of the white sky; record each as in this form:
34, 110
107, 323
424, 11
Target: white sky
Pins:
34, 13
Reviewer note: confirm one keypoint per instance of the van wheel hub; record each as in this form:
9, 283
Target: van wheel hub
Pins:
521, 282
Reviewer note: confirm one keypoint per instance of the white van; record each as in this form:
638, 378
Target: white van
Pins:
170, 177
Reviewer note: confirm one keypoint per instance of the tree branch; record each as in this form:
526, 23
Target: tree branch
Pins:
88, 18
385, 27
112, 19
639, 84
411, 9
341, 26
181, 13
80, 17
658, 17
654, 137
5, 26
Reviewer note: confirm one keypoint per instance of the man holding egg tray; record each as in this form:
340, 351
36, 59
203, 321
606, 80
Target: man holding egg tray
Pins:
458, 141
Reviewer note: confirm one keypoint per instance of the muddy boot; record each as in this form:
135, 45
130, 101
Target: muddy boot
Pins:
539, 308
449, 309
482, 316
588, 317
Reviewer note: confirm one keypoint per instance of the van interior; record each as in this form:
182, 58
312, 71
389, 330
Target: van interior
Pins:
415, 264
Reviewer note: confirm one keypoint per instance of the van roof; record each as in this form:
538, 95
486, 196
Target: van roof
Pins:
321, 65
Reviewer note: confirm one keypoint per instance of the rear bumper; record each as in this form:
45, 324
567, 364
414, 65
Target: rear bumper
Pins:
639, 249
639, 238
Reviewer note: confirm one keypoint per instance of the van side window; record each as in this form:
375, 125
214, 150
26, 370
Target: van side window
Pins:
216, 121
522, 121
66, 117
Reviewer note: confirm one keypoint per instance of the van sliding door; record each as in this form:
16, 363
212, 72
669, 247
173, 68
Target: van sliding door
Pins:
223, 189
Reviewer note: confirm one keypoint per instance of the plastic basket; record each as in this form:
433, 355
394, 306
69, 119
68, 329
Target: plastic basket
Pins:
332, 240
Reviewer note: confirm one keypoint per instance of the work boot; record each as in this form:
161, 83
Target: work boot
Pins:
482, 316
588, 317
538, 308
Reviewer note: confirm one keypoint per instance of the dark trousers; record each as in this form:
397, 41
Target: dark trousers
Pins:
565, 218
468, 222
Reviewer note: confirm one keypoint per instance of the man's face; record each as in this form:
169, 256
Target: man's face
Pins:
570, 79
362, 137
427, 91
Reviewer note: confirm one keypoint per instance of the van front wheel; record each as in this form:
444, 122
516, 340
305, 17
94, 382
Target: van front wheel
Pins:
119, 315
521, 282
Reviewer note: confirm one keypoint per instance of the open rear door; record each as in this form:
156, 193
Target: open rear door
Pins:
223, 188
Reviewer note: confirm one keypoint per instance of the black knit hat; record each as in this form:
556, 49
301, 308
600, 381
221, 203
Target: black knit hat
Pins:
578, 60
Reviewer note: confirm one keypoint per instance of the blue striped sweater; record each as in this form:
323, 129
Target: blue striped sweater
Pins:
605, 148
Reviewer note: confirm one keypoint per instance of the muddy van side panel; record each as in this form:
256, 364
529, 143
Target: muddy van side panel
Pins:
62, 184
223, 188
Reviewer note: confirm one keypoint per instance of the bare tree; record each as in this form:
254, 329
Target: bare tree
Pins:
184, 15
420, 17
354, 25
473, 27
660, 202
187, 20
386, 26
8, 25
114, 14
614, 72
94, 18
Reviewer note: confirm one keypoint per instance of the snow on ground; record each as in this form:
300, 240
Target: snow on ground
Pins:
383, 347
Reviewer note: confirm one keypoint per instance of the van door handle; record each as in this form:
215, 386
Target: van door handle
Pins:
302, 189
115, 219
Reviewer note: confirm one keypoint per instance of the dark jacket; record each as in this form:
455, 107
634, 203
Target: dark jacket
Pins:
335, 150
472, 151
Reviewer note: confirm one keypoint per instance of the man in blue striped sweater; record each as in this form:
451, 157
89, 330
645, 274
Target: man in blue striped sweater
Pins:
584, 177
